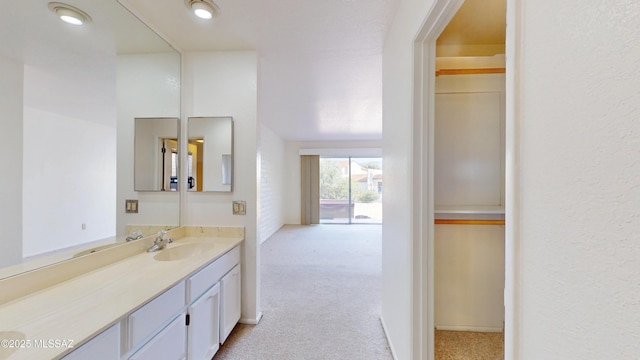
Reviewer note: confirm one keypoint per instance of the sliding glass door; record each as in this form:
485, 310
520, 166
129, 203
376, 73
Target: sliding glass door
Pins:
350, 190
366, 190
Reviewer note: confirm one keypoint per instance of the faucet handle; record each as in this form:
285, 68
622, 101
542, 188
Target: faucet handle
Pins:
162, 237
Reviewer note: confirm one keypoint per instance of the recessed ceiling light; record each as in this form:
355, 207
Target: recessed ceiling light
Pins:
204, 9
69, 14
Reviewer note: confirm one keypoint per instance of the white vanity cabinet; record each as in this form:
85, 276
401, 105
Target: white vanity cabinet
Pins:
149, 319
169, 344
204, 329
205, 291
230, 290
188, 321
105, 346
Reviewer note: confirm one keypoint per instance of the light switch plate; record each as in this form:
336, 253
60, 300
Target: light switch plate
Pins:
239, 208
131, 206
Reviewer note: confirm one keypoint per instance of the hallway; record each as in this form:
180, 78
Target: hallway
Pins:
320, 297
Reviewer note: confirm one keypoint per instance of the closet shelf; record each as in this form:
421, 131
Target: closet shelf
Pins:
467, 222
488, 215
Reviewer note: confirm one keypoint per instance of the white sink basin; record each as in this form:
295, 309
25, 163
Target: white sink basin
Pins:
181, 252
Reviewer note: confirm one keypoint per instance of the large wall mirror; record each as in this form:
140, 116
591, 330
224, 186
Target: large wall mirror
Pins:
70, 95
156, 154
210, 157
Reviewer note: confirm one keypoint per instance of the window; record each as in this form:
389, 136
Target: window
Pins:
350, 190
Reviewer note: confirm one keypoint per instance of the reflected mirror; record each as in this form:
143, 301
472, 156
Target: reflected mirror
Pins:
156, 154
210, 157
70, 95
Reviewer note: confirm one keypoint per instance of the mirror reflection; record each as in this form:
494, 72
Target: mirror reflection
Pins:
156, 154
70, 95
210, 157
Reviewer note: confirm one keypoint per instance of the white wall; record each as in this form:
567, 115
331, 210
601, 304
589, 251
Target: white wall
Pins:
397, 81
225, 84
292, 168
469, 164
69, 180
11, 105
579, 158
273, 179
577, 199
469, 277
147, 85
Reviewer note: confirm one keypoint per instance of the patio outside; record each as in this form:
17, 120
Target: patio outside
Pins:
350, 190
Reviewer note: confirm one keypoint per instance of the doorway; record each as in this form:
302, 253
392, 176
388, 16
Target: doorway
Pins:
424, 209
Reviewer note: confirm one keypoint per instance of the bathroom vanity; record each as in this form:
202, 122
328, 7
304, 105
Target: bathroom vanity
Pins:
177, 303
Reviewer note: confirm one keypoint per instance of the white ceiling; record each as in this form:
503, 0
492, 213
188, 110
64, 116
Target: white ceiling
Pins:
320, 61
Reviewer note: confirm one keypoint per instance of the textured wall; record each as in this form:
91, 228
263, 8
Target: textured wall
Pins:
579, 186
272, 183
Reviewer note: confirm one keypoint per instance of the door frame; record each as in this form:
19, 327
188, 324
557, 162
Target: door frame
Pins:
437, 18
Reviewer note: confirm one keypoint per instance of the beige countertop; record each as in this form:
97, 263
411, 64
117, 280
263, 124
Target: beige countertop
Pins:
80, 308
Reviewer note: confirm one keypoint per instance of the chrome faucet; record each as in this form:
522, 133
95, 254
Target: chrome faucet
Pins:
134, 236
160, 242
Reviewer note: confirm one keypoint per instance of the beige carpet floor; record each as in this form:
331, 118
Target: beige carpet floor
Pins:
320, 297
467, 345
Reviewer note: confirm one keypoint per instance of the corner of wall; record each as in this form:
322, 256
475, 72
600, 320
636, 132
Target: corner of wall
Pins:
11, 189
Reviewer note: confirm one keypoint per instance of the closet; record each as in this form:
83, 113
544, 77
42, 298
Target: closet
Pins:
469, 195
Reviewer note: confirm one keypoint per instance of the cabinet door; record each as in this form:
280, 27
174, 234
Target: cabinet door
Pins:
230, 292
204, 326
105, 346
169, 344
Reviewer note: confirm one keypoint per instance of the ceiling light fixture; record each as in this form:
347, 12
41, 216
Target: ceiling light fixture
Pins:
204, 9
69, 14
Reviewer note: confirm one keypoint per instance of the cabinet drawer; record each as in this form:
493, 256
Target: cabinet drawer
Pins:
105, 346
199, 282
149, 318
169, 344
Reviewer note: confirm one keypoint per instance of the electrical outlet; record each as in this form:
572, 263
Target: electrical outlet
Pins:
84, 226
131, 206
239, 208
